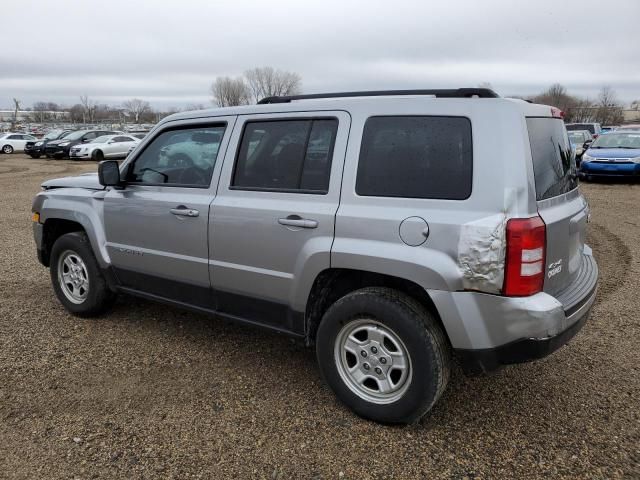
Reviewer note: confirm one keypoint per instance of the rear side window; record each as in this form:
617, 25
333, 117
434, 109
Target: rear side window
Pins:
416, 157
286, 155
553, 161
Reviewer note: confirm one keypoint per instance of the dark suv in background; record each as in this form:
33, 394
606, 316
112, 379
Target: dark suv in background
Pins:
60, 148
36, 148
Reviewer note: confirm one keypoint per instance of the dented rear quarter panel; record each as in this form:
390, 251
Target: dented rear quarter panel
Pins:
465, 248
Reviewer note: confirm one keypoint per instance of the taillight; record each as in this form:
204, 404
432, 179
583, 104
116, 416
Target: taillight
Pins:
524, 265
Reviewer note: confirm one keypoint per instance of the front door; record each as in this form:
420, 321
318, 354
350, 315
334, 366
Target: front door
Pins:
272, 221
156, 226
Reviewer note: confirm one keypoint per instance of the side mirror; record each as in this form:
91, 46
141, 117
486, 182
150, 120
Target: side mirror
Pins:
109, 173
587, 144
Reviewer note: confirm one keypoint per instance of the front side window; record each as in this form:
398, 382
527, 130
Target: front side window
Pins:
184, 157
286, 155
416, 157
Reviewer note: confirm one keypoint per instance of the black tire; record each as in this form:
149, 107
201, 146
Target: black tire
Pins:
99, 297
7, 149
34, 155
97, 155
416, 327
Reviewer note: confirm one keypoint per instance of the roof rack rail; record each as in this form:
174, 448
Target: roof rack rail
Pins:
439, 93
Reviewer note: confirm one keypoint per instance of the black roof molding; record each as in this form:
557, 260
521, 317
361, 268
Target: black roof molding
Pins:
439, 93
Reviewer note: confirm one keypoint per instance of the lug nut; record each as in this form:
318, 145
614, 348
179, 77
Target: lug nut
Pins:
363, 353
378, 370
374, 350
366, 366
383, 360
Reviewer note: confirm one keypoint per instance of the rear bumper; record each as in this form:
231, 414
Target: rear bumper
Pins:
475, 362
488, 331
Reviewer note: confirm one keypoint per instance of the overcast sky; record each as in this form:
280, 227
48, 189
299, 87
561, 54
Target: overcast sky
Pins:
169, 52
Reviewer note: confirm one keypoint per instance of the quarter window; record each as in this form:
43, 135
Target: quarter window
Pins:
184, 157
416, 157
286, 155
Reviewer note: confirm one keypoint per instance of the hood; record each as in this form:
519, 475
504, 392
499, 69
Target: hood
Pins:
614, 152
86, 180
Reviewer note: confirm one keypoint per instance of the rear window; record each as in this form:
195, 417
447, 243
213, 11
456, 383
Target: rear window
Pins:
416, 157
582, 126
553, 160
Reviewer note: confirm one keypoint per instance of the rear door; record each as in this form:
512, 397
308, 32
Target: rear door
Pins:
272, 222
560, 204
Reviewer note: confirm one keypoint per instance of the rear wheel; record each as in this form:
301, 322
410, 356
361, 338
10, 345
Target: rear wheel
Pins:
76, 276
383, 354
7, 149
97, 155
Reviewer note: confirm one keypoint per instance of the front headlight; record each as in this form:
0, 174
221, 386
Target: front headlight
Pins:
587, 158
636, 160
63, 144
38, 144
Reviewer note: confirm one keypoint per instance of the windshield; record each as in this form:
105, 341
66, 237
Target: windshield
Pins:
618, 140
52, 135
582, 126
576, 137
75, 135
102, 139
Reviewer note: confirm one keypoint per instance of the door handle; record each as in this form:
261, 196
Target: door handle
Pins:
183, 211
296, 221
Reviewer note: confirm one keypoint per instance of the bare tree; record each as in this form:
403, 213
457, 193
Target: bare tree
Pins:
609, 110
138, 108
40, 111
228, 92
16, 107
88, 108
268, 82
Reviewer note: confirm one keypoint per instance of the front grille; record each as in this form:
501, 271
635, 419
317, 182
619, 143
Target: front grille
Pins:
612, 160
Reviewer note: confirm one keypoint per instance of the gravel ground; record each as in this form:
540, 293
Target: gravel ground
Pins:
149, 391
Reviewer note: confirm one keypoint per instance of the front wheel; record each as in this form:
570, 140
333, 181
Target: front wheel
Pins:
97, 155
34, 155
76, 277
383, 354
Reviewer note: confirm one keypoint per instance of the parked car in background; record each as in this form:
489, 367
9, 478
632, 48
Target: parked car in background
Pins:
106, 146
608, 128
14, 142
580, 141
60, 148
36, 148
616, 154
593, 128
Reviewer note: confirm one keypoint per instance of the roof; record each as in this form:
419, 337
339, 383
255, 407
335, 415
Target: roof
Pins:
353, 102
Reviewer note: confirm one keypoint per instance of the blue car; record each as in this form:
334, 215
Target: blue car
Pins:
612, 155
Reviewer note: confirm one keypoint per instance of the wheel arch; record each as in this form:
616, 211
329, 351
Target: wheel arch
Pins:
58, 218
334, 283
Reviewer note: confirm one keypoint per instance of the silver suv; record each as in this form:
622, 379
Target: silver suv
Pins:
394, 231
